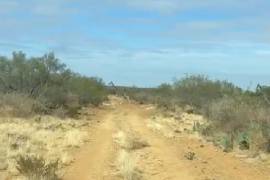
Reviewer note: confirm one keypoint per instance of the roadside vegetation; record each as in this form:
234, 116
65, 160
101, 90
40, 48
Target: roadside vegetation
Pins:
44, 85
37, 93
237, 118
40, 98
36, 168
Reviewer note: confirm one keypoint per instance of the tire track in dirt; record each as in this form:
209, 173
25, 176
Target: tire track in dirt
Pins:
166, 159
124, 147
95, 160
158, 162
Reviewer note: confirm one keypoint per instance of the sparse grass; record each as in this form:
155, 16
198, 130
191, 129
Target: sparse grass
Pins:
230, 110
36, 168
127, 166
135, 143
48, 137
127, 159
19, 105
130, 142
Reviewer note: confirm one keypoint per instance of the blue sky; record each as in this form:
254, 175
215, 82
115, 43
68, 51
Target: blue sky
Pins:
145, 42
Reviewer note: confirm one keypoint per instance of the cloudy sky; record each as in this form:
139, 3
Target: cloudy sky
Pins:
145, 42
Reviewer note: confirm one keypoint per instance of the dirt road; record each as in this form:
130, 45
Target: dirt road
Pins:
124, 147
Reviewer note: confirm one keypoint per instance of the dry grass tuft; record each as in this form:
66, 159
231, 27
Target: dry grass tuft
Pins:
190, 156
127, 159
47, 137
36, 168
127, 166
130, 141
19, 105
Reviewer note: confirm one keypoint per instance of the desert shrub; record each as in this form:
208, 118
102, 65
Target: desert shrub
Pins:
162, 96
165, 97
228, 142
20, 105
245, 122
243, 141
35, 168
89, 90
261, 134
49, 82
242, 116
207, 130
61, 113
196, 91
264, 93
140, 95
30, 75
199, 91
230, 115
190, 156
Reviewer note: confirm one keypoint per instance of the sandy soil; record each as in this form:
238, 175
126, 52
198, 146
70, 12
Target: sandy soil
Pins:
48, 137
124, 145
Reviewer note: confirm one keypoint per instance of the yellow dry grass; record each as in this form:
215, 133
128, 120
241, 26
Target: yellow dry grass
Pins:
47, 137
129, 141
177, 124
127, 164
127, 158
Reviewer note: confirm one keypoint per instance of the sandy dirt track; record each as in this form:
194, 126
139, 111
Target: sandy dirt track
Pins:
123, 146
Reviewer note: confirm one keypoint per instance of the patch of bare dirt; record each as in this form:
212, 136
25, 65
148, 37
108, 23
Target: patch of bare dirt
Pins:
129, 144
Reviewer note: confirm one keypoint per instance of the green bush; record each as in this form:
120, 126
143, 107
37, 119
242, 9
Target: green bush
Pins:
199, 91
47, 81
242, 116
89, 90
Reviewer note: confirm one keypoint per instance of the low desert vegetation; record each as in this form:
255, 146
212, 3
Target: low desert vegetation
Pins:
39, 101
36, 168
128, 166
44, 85
39, 142
129, 142
37, 93
237, 118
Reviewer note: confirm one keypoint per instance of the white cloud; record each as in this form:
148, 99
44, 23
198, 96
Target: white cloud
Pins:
52, 8
171, 6
263, 52
43, 8
8, 6
159, 5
